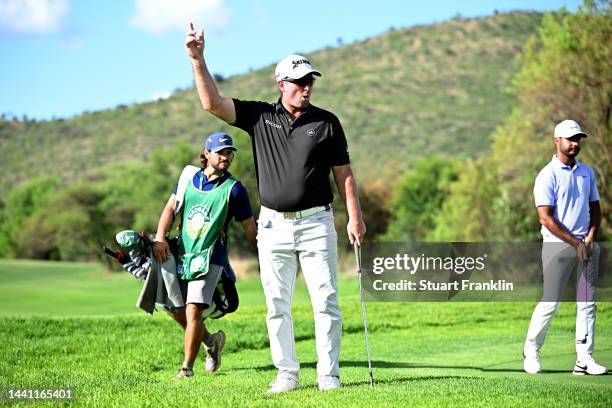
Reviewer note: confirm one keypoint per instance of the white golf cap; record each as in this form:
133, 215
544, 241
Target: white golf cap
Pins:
568, 128
294, 67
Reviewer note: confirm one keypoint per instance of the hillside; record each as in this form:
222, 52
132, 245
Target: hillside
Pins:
402, 95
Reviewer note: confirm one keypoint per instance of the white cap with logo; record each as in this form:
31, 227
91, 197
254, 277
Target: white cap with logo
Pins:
294, 67
568, 128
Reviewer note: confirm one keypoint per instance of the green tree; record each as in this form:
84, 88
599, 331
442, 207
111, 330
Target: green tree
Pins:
465, 214
566, 72
70, 227
418, 199
24, 202
5, 244
134, 194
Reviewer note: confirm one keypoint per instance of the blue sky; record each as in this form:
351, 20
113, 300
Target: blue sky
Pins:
62, 57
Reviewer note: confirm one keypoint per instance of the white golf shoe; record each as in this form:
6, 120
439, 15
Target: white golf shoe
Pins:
328, 382
585, 365
531, 362
283, 383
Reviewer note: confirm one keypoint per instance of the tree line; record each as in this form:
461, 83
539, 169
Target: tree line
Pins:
565, 72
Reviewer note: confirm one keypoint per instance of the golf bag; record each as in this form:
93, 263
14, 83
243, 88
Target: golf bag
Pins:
138, 263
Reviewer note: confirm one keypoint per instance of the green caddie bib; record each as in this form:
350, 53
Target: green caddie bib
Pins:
204, 214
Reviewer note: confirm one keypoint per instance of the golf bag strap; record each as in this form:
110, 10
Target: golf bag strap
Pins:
186, 176
225, 298
231, 294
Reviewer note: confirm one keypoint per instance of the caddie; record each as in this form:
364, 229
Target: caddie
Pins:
207, 198
567, 202
296, 146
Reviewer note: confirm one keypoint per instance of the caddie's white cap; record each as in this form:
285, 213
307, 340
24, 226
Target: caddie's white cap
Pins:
294, 67
568, 128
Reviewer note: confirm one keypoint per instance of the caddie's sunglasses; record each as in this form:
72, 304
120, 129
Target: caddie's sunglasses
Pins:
307, 80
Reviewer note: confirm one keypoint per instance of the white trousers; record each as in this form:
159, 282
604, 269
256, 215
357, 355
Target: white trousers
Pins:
559, 261
311, 243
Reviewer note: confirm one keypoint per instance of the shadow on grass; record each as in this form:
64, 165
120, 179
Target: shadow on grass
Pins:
378, 364
401, 380
391, 381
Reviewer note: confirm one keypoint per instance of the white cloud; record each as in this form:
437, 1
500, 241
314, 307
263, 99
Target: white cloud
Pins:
30, 17
158, 16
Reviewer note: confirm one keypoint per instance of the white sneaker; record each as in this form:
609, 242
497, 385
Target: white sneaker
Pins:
184, 372
531, 362
283, 383
328, 382
585, 365
213, 354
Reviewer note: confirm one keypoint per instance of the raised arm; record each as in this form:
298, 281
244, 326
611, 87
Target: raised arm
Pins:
347, 188
211, 99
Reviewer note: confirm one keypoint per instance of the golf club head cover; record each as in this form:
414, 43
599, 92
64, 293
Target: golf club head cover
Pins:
138, 251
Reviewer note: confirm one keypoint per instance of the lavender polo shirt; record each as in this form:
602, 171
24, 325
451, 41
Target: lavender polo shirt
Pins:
568, 190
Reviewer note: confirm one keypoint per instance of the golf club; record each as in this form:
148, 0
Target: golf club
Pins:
586, 295
363, 310
118, 256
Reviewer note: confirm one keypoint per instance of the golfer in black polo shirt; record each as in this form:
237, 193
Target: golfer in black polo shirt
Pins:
295, 145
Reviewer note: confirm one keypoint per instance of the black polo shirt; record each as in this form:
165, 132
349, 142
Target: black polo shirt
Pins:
292, 158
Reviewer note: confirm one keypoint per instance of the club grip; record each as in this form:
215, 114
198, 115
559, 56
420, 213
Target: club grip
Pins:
109, 252
116, 255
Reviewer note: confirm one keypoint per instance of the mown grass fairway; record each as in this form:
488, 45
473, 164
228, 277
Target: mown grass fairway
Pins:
75, 325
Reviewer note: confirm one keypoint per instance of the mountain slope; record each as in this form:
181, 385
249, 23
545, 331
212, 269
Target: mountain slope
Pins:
402, 95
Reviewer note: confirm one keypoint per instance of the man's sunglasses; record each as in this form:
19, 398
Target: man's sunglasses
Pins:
307, 80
